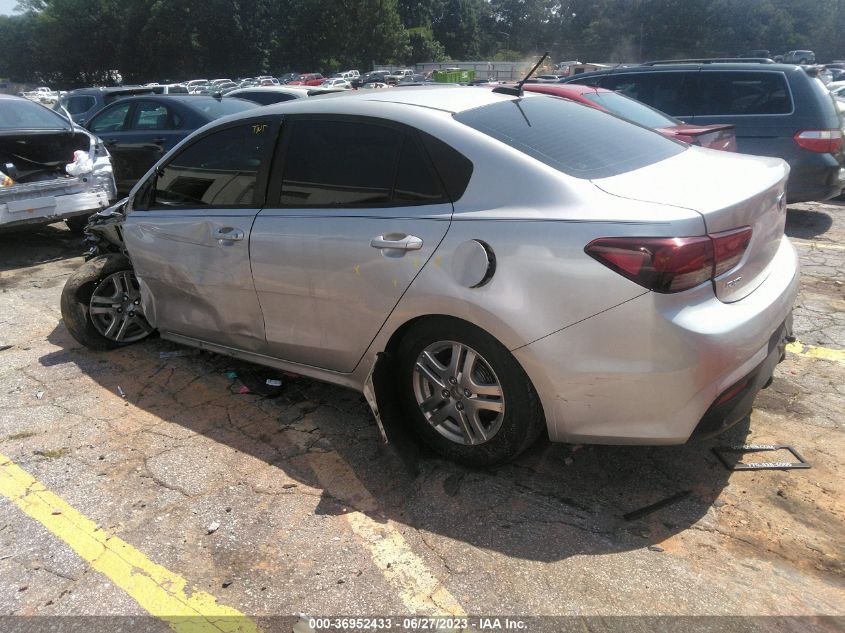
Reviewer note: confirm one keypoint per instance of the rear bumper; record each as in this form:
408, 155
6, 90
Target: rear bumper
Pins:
735, 403
51, 201
814, 177
649, 370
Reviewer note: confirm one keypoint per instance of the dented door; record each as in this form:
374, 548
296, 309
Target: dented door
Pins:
188, 237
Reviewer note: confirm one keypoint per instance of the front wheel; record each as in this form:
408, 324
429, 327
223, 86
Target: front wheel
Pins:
101, 304
464, 393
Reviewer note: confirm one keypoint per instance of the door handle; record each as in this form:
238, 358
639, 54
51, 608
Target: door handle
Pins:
398, 241
227, 234
160, 141
110, 141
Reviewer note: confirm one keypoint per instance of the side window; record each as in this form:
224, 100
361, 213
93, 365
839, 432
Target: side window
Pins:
340, 163
334, 163
415, 181
218, 170
112, 120
79, 104
737, 93
154, 116
669, 92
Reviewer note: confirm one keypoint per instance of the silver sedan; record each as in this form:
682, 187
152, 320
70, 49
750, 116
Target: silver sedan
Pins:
510, 265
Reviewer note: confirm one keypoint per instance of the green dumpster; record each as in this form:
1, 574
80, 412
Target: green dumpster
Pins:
453, 75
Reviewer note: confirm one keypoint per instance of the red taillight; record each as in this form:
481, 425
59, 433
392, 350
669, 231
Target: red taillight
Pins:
821, 141
671, 264
728, 248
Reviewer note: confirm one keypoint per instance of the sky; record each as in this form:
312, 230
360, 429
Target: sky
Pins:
7, 6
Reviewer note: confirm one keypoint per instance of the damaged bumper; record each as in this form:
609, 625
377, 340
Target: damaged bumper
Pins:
53, 200
38, 187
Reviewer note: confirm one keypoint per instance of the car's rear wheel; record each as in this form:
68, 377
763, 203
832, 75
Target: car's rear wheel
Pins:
464, 393
101, 304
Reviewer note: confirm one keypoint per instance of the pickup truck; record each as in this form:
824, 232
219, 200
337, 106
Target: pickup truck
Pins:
50, 169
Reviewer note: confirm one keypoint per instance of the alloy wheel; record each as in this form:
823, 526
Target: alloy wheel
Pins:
115, 308
458, 393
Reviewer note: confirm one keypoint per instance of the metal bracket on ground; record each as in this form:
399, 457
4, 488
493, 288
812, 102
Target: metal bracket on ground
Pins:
722, 453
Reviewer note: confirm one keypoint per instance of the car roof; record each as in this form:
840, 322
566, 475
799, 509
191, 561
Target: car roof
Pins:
749, 66
448, 98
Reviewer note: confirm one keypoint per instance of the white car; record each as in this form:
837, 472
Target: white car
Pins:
336, 83
50, 169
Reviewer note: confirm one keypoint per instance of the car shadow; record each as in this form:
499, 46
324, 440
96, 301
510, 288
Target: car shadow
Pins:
807, 224
553, 502
23, 247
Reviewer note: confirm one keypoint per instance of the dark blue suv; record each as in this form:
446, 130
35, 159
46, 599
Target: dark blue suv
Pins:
778, 110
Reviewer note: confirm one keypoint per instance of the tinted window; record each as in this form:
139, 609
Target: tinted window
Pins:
25, 114
579, 141
415, 181
669, 92
732, 93
218, 170
215, 108
629, 109
111, 120
332, 163
154, 116
265, 98
78, 104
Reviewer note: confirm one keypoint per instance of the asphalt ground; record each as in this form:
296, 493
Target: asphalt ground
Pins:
144, 488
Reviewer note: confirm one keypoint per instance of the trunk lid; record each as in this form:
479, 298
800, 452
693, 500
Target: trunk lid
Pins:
721, 137
730, 191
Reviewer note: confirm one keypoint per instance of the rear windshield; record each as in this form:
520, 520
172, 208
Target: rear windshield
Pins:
27, 115
632, 110
578, 140
215, 108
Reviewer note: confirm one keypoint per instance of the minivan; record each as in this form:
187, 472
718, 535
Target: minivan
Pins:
778, 110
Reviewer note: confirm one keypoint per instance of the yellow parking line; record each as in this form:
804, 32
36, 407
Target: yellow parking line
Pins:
811, 351
419, 589
158, 590
827, 246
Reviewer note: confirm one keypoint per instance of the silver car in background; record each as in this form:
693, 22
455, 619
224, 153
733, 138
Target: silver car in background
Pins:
519, 264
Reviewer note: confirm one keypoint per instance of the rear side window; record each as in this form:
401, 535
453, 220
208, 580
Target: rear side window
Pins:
669, 92
265, 98
738, 93
576, 140
632, 110
218, 170
78, 104
355, 164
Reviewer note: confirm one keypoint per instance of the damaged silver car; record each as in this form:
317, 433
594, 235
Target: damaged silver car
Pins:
497, 264
50, 169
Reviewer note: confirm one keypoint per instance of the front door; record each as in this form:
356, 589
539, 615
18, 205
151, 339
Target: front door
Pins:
188, 237
356, 213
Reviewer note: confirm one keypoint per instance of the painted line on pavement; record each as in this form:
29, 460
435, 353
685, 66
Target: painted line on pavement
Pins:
811, 351
416, 585
159, 591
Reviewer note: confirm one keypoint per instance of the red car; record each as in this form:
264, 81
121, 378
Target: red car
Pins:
721, 137
308, 79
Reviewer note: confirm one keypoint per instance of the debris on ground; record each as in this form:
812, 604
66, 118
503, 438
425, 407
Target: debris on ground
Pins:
638, 514
258, 381
724, 453
121, 393
3, 348
39, 394
211, 529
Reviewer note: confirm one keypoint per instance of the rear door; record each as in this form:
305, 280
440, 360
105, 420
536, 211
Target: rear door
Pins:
188, 236
355, 212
